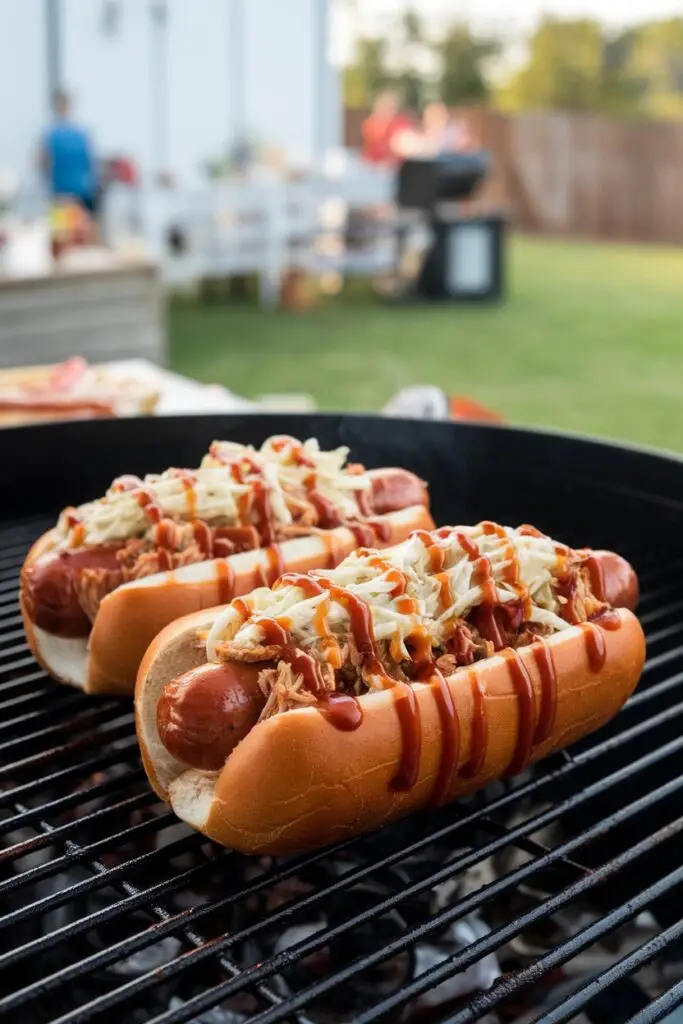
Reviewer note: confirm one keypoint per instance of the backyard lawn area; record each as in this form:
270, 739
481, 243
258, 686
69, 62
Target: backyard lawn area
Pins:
590, 339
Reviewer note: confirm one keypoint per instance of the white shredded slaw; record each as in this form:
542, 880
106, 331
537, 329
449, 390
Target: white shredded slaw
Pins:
536, 557
214, 493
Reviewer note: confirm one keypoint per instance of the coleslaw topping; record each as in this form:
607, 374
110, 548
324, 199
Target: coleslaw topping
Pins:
422, 586
221, 491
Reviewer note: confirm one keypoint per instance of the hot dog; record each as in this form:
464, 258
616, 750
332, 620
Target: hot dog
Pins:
342, 699
98, 588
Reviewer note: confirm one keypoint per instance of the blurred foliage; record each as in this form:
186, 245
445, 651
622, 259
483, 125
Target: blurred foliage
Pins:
368, 74
570, 64
450, 67
655, 61
563, 70
462, 61
579, 65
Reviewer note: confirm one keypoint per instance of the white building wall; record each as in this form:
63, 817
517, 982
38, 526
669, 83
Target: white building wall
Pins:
111, 78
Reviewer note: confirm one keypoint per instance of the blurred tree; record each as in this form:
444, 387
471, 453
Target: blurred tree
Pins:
368, 74
571, 65
622, 92
461, 61
564, 69
372, 71
654, 62
410, 80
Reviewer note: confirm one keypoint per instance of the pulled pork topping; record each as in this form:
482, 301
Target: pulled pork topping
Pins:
452, 596
279, 488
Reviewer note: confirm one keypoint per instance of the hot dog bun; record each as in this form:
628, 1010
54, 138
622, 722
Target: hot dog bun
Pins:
130, 617
295, 782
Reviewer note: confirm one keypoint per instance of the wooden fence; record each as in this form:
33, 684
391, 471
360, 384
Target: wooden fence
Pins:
577, 174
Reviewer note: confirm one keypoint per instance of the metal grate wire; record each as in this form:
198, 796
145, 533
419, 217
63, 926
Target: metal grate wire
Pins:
95, 873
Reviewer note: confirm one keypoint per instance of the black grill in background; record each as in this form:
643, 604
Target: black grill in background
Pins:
112, 911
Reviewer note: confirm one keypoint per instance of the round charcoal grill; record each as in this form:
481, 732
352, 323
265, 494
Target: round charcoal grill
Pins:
555, 896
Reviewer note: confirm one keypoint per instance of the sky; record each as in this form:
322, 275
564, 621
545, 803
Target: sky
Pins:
525, 12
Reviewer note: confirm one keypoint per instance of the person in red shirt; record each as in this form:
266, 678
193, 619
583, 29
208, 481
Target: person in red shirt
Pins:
383, 128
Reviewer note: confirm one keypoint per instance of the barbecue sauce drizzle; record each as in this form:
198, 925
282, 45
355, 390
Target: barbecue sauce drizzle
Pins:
479, 737
225, 580
258, 498
344, 710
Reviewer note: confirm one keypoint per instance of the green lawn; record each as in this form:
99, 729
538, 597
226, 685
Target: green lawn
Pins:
590, 339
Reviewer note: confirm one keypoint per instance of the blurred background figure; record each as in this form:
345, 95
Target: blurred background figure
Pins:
441, 132
67, 159
383, 128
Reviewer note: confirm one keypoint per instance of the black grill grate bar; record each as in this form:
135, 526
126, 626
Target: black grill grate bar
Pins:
73, 773
118, 728
9, 586
84, 1013
28, 677
533, 847
579, 942
659, 593
9, 621
9, 609
493, 940
640, 957
321, 938
76, 799
28, 527
27, 662
16, 549
83, 718
661, 1007
193, 841
12, 560
34, 680
118, 951
39, 697
660, 612
652, 692
118, 875
621, 739
193, 915
671, 654
62, 832
10, 652
102, 877
661, 569
664, 633
10, 635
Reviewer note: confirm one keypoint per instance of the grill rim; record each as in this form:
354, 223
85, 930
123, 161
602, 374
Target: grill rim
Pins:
72, 440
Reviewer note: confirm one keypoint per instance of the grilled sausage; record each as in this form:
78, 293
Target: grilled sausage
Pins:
50, 592
203, 714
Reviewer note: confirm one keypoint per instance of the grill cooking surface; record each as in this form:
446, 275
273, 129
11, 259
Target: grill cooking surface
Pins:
547, 898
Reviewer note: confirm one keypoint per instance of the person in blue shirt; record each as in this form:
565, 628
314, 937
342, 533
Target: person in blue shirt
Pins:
67, 159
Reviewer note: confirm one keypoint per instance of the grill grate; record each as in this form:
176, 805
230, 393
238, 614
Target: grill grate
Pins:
114, 911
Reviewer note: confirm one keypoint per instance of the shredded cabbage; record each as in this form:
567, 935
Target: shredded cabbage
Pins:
214, 493
537, 560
